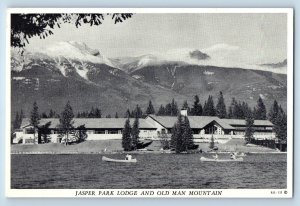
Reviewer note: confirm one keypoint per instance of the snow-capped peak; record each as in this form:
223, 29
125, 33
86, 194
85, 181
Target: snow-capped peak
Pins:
75, 50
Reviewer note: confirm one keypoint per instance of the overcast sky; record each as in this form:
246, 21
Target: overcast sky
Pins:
256, 38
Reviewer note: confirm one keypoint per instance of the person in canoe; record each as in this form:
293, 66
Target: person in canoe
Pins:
216, 156
232, 156
128, 157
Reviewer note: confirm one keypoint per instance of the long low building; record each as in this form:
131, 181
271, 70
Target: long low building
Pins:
96, 128
151, 127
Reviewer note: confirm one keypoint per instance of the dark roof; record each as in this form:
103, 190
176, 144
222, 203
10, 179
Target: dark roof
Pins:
94, 123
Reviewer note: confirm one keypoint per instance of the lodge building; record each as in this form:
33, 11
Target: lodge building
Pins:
151, 127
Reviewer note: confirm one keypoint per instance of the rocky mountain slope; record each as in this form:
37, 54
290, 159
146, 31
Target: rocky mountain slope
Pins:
72, 71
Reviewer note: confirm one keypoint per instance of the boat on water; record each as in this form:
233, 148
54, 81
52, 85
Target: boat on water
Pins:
106, 159
242, 154
204, 159
144, 144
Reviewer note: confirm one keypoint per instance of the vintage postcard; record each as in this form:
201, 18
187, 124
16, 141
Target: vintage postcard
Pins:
193, 103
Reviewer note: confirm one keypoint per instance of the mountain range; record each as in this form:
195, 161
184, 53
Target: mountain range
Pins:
71, 71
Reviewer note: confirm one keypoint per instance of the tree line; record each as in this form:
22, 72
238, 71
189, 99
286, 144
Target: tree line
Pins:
236, 110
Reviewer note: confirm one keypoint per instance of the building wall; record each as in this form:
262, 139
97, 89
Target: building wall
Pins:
112, 134
214, 128
159, 128
91, 135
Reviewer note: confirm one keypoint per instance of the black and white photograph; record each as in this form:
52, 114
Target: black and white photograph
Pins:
149, 103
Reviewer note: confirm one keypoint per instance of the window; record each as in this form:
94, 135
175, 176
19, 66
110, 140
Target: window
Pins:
29, 131
28, 141
99, 131
112, 131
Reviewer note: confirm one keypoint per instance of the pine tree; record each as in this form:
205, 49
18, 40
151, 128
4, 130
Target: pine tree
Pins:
135, 131
44, 115
221, 107
246, 110
128, 114
51, 114
97, 113
231, 109
197, 107
209, 108
66, 121
137, 113
261, 112
168, 109
273, 112
280, 125
150, 109
16, 121
174, 108
182, 135
177, 138
187, 135
21, 115
254, 111
230, 113
161, 111
239, 112
249, 130
34, 119
174, 136
108, 116
92, 113
185, 106
126, 136
236, 109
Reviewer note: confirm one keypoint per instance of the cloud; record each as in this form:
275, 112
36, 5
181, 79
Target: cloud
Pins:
222, 47
198, 55
276, 65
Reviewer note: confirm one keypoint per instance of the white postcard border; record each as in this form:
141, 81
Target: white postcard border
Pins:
225, 193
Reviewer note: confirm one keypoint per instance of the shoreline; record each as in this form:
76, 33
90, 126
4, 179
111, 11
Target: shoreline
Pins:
115, 147
133, 152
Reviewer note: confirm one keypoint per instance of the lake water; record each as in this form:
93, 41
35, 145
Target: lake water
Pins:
182, 171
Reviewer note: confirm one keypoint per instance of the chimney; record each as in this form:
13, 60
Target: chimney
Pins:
183, 112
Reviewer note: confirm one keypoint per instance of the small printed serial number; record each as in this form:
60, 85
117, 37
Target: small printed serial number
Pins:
279, 192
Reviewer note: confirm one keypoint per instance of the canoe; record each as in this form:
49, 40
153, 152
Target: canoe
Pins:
240, 155
106, 159
142, 145
204, 159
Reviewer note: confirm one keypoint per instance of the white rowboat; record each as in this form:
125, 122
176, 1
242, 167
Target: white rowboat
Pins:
106, 159
204, 159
